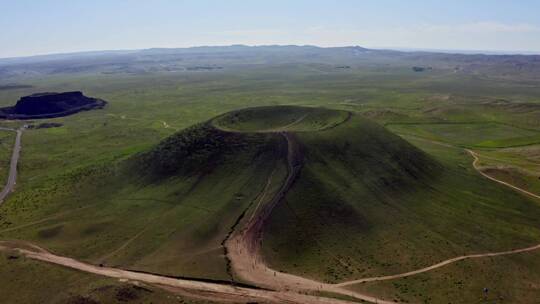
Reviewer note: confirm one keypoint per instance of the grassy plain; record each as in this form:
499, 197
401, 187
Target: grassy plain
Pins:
7, 138
23, 282
70, 199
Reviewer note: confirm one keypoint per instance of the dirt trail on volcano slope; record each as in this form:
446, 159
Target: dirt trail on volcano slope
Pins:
244, 246
246, 249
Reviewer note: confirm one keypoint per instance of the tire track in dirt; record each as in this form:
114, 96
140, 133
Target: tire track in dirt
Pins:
244, 246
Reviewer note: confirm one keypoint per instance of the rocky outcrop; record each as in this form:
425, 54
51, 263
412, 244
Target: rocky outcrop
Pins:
49, 105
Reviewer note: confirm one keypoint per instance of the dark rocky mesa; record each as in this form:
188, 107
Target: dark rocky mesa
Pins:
50, 105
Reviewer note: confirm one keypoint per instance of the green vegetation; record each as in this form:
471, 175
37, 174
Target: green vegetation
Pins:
280, 118
484, 135
166, 210
193, 151
26, 285
7, 138
367, 204
111, 186
519, 166
509, 279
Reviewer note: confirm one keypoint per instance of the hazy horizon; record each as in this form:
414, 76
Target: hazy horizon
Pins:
60, 26
400, 49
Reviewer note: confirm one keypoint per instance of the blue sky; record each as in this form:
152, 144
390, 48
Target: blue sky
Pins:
31, 27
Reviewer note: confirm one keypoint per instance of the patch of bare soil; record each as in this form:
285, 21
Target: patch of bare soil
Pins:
81, 300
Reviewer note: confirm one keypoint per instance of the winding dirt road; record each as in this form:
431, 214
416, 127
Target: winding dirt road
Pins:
478, 168
438, 265
460, 258
213, 290
12, 178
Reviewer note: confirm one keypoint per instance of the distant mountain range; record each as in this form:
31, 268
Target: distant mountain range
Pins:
207, 58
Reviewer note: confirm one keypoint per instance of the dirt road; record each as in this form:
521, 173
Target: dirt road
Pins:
460, 258
438, 265
477, 167
475, 164
12, 178
215, 291
244, 246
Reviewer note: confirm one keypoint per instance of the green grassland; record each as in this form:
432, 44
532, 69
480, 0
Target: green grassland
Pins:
26, 282
519, 166
395, 208
157, 211
480, 135
280, 118
77, 195
508, 279
7, 138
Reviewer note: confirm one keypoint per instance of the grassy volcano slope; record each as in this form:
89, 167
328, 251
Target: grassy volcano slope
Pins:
367, 203
166, 210
510, 279
280, 118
